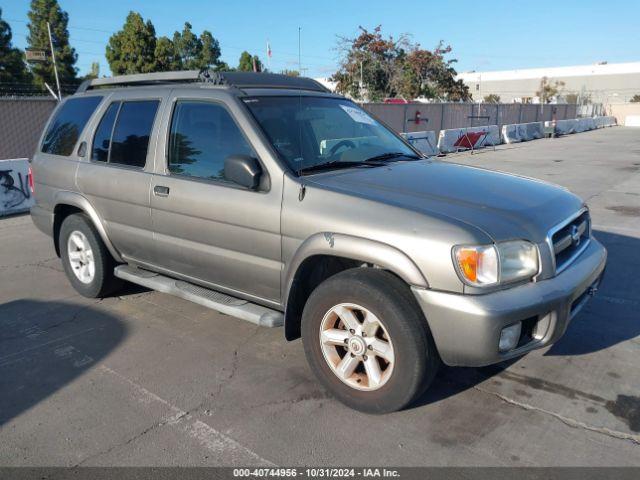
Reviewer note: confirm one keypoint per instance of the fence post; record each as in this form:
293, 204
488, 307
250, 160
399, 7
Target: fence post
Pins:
404, 124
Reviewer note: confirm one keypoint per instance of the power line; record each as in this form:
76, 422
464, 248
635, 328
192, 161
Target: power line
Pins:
222, 45
68, 26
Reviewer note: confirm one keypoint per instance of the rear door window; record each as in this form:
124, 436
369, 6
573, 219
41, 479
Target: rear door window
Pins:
102, 140
122, 137
130, 139
67, 125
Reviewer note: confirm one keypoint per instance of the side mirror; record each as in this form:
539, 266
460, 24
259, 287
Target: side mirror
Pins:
243, 170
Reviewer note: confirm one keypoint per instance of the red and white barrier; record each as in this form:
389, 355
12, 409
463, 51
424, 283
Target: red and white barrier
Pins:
423, 141
522, 132
15, 191
457, 139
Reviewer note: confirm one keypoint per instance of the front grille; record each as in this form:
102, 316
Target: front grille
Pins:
570, 239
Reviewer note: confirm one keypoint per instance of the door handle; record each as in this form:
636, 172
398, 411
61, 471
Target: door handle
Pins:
160, 191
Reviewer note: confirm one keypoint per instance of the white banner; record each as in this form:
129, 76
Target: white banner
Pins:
522, 132
15, 194
423, 141
457, 139
632, 121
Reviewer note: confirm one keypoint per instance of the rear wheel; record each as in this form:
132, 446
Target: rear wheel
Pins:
367, 341
85, 258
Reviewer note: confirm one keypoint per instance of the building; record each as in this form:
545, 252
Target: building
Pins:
605, 83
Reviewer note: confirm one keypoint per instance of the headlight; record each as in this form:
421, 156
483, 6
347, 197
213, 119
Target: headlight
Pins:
505, 262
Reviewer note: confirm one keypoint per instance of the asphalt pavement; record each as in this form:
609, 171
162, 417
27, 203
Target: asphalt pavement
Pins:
148, 379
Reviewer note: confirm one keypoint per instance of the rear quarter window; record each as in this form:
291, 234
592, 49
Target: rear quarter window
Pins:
67, 125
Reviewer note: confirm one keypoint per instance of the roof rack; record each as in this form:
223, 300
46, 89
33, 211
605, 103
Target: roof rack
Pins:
231, 79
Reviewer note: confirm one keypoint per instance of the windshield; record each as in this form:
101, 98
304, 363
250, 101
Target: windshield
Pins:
313, 131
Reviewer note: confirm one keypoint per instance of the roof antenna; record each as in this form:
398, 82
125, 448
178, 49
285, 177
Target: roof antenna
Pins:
301, 158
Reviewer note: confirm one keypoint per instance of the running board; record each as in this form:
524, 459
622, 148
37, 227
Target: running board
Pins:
220, 302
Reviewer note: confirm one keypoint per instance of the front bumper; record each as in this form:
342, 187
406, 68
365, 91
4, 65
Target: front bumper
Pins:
466, 328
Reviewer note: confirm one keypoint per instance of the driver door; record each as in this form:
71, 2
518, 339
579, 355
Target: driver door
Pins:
207, 229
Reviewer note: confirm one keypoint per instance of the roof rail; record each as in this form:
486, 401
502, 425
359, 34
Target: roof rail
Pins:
231, 79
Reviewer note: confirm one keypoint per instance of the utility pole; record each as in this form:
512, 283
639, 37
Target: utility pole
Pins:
53, 58
299, 51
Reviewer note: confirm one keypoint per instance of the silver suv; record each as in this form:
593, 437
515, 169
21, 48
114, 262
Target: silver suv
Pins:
268, 198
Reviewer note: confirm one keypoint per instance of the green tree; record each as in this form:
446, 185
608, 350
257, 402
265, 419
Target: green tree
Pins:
376, 67
290, 73
132, 49
249, 63
195, 53
210, 54
12, 66
223, 67
571, 98
41, 12
94, 72
368, 64
492, 98
549, 90
188, 47
166, 57
427, 73
635, 98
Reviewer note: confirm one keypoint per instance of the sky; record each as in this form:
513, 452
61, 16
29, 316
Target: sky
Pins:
489, 35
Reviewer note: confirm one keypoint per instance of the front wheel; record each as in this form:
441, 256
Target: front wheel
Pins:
367, 341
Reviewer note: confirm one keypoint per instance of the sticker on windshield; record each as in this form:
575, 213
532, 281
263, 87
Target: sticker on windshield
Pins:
358, 115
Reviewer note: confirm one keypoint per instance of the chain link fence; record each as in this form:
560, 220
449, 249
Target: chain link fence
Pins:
416, 117
21, 90
21, 123
22, 118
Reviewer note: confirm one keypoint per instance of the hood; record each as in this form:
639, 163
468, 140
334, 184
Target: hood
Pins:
504, 206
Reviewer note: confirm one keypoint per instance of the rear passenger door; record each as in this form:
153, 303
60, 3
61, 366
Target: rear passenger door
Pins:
207, 228
116, 178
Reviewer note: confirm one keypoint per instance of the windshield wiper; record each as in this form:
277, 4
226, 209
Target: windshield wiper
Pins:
376, 161
391, 155
337, 164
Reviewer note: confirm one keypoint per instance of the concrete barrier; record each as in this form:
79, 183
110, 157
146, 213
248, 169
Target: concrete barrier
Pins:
585, 124
423, 141
15, 192
602, 122
578, 125
564, 127
522, 132
457, 139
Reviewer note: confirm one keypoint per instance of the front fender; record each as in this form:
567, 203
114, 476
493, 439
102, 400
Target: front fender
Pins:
355, 248
77, 200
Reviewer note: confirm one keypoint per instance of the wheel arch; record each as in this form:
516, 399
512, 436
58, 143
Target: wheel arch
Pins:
68, 203
325, 254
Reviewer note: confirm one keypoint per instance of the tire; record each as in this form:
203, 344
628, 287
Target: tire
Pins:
383, 304
101, 282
